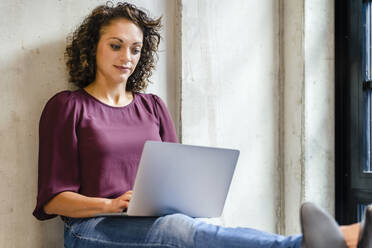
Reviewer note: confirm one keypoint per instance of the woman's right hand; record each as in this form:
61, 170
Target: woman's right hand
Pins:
120, 203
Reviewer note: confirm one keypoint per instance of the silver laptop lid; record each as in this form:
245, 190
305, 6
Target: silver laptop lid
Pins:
178, 178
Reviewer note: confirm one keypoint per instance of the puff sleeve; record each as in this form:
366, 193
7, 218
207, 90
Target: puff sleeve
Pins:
167, 130
58, 160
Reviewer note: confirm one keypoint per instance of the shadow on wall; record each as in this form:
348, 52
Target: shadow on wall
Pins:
38, 73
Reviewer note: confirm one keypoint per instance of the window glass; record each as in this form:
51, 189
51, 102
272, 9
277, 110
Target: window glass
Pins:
367, 92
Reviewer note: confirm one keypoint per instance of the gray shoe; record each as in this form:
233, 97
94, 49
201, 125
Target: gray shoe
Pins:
365, 240
319, 229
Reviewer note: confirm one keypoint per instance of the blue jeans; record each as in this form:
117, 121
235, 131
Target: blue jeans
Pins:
171, 231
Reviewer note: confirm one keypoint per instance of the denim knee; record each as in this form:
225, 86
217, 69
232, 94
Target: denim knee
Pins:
175, 230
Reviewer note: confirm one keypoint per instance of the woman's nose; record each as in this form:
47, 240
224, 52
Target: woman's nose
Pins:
125, 55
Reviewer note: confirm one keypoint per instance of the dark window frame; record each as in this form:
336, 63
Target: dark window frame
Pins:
352, 186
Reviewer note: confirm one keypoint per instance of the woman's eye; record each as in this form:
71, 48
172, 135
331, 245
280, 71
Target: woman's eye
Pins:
115, 47
136, 51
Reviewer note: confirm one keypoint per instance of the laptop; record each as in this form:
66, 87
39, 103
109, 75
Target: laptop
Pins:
178, 178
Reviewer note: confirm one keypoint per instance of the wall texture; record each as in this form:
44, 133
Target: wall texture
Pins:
230, 97
307, 126
259, 78
292, 108
32, 70
319, 103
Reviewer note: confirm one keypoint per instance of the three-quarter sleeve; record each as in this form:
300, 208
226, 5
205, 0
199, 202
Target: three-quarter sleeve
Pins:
58, 161
167, 130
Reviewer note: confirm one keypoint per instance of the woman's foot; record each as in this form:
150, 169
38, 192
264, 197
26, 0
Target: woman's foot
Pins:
319, 229
365, 240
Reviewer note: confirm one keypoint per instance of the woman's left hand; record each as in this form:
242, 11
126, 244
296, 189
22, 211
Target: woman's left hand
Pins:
120, 203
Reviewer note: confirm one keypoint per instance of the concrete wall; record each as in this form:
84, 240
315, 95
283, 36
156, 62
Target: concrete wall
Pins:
319, 103
230, 96
259, 78
33, 35
308, 107
292, 103
255, 76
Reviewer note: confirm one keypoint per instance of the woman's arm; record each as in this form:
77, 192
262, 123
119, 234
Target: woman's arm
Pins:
75, 205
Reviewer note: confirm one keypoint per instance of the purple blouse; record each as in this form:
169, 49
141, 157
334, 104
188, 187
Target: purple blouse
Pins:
92, 148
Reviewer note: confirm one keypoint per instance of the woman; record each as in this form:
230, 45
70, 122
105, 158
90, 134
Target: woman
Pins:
91, 140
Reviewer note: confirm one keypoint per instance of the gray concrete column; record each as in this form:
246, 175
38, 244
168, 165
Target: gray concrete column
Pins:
307, 127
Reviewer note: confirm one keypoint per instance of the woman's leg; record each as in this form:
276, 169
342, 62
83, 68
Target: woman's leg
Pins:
203, 235
177, 231
107, 232
207, 235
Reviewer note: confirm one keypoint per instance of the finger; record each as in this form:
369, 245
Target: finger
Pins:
127, 193
126, 197
124, 204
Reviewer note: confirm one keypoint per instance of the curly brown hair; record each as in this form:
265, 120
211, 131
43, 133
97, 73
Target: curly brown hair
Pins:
81, 47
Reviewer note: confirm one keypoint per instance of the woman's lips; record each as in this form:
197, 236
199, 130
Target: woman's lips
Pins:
122, 68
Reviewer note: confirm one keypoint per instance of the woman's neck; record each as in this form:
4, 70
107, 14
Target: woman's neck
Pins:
114, 95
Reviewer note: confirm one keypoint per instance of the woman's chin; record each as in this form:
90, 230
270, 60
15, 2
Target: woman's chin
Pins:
123, 78
119, 80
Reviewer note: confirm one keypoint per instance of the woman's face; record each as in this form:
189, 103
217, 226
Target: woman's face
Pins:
118, 51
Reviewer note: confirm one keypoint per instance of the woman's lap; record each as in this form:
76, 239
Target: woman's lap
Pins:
169, 231
172, 231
